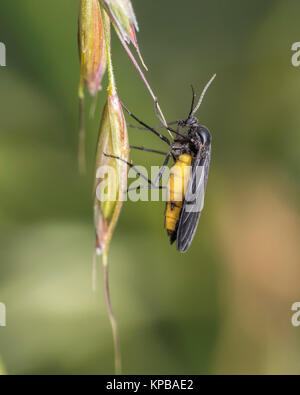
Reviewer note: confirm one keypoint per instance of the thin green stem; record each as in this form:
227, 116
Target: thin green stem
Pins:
113, 322
94, 272
81, 143
93, 106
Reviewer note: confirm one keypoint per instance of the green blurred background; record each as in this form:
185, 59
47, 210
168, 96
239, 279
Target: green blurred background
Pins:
223, 307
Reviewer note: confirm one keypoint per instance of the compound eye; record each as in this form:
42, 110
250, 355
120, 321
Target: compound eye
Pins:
204, 134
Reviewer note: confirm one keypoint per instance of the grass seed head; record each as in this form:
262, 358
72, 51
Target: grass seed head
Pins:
124, 20
111, 173
91, 41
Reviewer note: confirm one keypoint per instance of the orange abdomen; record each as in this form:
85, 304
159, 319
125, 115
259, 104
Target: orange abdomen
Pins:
178, 181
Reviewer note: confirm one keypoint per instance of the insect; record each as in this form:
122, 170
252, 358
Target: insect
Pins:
191, 151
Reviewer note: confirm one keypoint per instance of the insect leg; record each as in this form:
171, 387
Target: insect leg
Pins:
132, 167
145, 187
164, 138
156, 127
166, 125
162, 169
155, 185
148, 150
152, 185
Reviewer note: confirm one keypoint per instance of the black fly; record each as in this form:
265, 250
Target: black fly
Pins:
192, 145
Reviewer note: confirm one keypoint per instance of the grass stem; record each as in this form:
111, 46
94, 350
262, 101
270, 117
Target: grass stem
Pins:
113, 322
81, 143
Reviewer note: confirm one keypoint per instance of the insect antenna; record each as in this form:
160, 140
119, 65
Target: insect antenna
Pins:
202, 95
193, 102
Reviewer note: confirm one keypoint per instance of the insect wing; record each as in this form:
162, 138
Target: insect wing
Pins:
193, 202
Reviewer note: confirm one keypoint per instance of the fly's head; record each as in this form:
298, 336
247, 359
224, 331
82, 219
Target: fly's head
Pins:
191, 122
188, 123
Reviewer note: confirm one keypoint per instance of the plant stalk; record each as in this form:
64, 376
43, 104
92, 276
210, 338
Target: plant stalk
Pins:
81, 142
113, 322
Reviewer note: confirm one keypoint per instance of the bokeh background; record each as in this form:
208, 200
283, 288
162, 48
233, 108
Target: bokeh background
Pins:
225, 305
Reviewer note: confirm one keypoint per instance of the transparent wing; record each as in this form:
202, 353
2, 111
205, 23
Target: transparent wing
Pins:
193, 202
